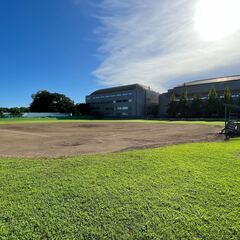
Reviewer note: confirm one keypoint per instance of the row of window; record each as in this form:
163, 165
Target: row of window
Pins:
117, 114
122, 101
120, 108
111, 95
115, 101
205, 98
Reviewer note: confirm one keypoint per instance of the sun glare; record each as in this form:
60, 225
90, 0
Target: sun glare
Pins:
217, 19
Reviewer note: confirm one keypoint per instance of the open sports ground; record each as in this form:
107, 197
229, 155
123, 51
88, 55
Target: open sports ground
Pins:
118, 180
53, 139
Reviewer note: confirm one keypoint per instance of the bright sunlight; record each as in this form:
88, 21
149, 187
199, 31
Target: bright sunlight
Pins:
217, 19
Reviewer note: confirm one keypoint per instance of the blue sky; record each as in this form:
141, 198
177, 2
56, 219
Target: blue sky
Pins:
76, 46
46, 44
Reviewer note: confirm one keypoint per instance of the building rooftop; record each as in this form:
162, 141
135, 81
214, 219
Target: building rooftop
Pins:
211, 81
119, 89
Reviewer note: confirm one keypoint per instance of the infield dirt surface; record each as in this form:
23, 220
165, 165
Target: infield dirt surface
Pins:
70, 139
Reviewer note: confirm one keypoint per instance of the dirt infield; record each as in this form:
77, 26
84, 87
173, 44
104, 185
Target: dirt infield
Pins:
68, 139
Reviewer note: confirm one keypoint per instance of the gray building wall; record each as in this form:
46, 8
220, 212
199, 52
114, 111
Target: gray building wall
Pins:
129, 101
164, 100
152, 101
201, 87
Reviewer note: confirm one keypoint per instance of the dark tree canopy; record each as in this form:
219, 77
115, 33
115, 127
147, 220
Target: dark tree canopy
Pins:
16, 112
83, 109
44, 101
238, 100
182, 107
212, 105
196, 108
227, 96
227, 99
172, 106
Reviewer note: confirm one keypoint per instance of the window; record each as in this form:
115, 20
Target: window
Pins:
122, 108
112, 95
121, 101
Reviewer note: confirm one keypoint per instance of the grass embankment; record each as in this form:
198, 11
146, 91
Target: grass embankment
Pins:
181, 192
61, 120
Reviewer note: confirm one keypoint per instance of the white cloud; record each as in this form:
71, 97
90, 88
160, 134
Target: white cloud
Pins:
153, 42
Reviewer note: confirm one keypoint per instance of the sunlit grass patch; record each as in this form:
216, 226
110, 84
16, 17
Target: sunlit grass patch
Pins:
188, 191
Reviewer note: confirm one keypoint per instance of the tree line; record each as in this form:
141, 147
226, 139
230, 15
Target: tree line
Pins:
213, 106
14, 111
44, 101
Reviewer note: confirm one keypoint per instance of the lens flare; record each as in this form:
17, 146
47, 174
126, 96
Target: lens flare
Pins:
217, 19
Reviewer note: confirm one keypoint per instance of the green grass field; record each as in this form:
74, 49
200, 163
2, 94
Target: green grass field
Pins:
55, 120
187, 191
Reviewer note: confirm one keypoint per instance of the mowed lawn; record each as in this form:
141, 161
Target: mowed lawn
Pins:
189, 191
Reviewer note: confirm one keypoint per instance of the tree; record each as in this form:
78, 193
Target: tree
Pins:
15, 112
41, 102
238, 100
227, 96
83, 109
62, 104
212, 105
227, 99
44, 101
24, 109
196, 108
172, 106
1, 112
182, 107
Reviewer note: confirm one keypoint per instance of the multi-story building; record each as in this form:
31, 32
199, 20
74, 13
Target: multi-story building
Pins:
201, 87
128, 101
